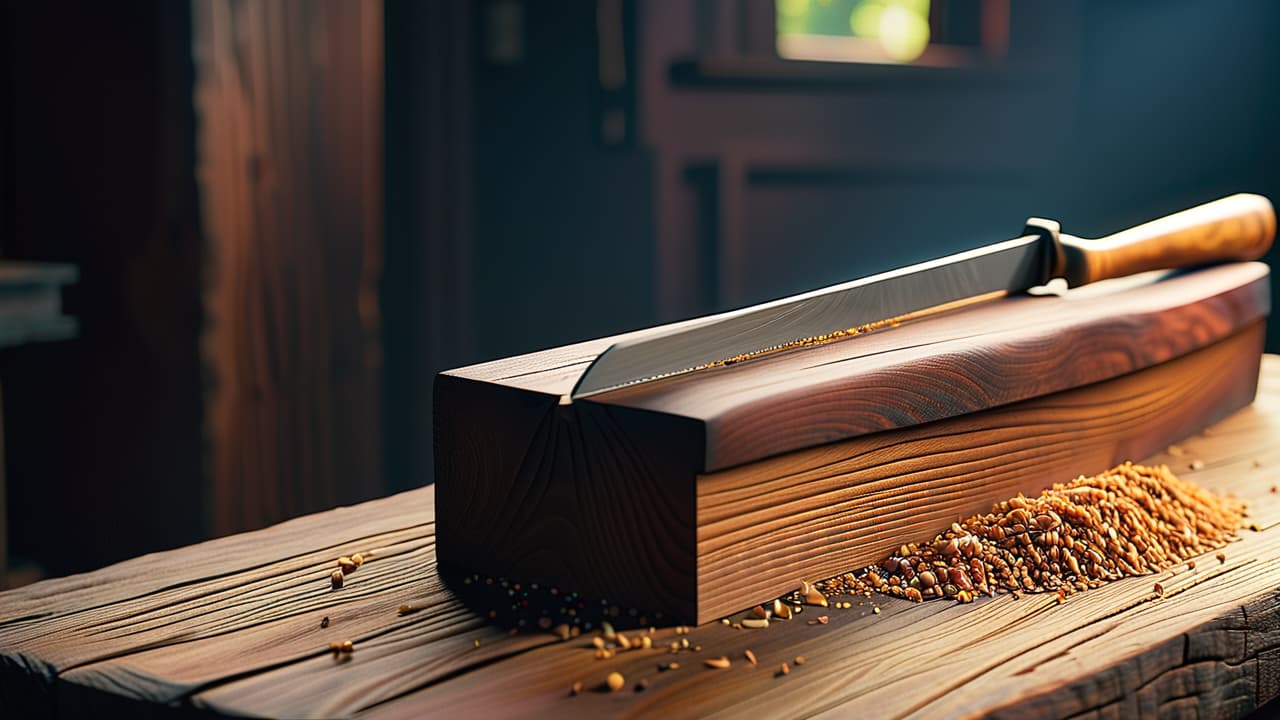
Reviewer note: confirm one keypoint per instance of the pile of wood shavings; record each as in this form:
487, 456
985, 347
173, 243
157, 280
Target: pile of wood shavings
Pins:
1130, 520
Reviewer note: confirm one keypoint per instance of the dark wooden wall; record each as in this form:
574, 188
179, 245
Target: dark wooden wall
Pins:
103, 433
217, 178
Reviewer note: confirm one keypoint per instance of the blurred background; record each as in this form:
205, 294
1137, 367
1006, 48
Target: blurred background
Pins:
272, 221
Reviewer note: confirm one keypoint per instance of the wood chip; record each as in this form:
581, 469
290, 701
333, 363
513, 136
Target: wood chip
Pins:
751, 657
815, 597
324, 621
759, 612
719, 663
1159, 590
799, 660
615, 681
1197, 464
783, 670
576, 688
1222, 558
781, 609
755, 623
336, 579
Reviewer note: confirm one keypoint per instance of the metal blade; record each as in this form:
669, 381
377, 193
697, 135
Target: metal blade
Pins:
821, 315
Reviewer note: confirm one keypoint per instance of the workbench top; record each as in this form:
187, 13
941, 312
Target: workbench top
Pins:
233, 626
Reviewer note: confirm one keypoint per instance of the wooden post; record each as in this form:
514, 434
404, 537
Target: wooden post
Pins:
289, 130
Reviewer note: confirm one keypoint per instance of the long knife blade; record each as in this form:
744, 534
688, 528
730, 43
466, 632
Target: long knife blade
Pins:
822, 315
1238, 227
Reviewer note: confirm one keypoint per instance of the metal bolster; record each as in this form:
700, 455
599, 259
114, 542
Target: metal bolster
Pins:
1055, 261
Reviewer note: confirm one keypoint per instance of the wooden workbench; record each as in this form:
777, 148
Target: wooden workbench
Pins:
234, 626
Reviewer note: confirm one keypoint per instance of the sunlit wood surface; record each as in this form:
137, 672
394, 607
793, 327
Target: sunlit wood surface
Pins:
233, 626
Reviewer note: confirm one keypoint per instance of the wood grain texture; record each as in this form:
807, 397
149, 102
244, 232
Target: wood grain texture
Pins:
1238, 227
689, 495
231, 626
590, 497
288, 97
761, 526
983, 356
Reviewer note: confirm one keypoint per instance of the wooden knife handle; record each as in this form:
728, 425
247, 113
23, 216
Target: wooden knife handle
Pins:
1238, 227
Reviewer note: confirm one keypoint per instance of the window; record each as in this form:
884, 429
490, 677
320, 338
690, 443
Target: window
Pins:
941, 33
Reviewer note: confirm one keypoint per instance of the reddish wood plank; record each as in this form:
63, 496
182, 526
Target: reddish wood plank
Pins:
630, 495
232, 626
